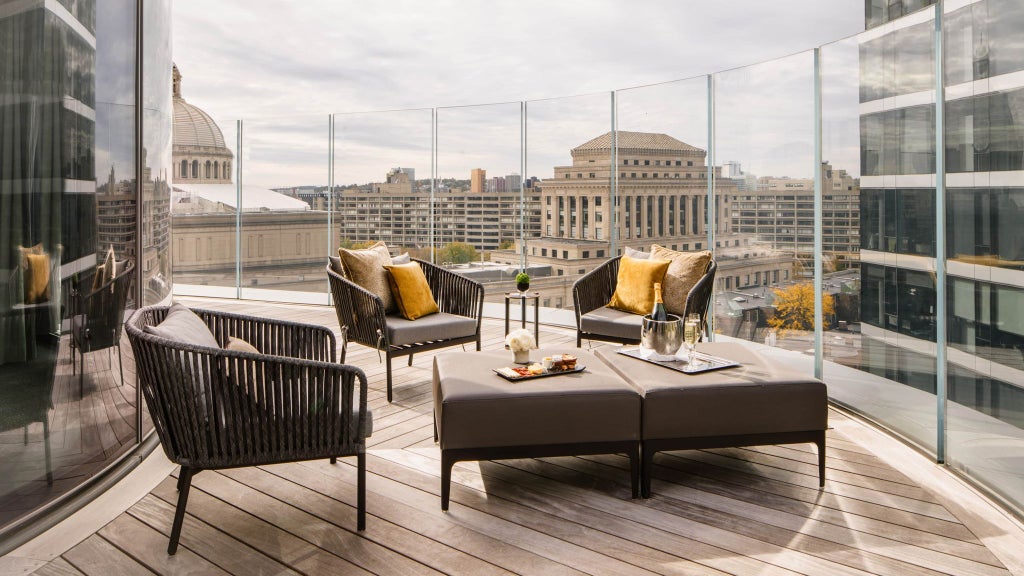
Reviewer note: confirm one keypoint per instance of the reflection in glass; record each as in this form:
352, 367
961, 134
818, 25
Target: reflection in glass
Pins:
765, 192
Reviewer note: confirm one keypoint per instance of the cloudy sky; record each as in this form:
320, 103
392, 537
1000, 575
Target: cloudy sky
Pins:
283, 67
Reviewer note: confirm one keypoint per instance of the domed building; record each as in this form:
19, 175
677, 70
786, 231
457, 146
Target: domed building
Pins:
199, 153
283, 240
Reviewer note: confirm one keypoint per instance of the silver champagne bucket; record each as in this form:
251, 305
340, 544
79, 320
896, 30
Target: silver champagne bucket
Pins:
663, 339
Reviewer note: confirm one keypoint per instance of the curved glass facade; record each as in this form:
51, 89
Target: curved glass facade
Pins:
76, 234
865, 226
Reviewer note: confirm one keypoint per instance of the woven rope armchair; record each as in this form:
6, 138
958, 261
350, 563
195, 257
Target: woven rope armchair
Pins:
362, 317
593, 290
214, 408
97, 316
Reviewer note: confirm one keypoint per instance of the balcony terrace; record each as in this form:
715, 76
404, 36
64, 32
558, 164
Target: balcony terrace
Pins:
885, 509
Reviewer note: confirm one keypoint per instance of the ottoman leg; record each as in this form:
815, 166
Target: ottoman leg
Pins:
821, 458
634, 470
645, 470
446, 478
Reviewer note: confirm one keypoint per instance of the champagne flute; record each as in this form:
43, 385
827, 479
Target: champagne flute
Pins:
690, 329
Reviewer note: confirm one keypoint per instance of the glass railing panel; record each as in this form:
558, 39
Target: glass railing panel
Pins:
565, 215
382, 181
878, 225
985, 244
662, 185
203, 220
285, 233
477, 200
764, 194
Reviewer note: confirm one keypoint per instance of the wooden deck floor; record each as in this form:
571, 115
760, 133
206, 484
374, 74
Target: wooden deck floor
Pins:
728, 511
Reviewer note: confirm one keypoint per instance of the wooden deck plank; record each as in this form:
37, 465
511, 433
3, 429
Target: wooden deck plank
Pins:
58, 567
94, 555
218, 547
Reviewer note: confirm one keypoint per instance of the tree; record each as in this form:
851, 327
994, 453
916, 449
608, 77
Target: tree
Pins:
457, 253
794, 308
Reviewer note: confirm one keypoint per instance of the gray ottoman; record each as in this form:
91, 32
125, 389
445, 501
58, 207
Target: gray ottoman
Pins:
479, 415
760, 402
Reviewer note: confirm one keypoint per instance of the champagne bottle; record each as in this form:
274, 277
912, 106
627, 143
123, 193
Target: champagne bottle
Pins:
658, 313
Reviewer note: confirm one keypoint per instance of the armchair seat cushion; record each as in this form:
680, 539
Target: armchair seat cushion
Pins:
612, 322
440, 326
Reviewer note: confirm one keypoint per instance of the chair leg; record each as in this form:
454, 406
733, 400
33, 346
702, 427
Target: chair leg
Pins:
388, 359
120, 364
334, 459
184, 483
446, 478
361, 489
579, 340
410, 359
46, 449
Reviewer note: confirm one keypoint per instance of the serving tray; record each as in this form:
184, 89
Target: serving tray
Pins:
545, 374
702, 362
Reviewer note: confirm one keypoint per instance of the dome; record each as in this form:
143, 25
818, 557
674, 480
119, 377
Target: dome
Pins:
192, 126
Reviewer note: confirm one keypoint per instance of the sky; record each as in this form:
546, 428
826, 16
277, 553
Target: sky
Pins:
382, 66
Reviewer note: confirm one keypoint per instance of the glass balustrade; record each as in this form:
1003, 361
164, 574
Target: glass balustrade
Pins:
921, 258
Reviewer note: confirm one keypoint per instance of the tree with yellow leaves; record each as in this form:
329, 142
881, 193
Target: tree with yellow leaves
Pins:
794, 308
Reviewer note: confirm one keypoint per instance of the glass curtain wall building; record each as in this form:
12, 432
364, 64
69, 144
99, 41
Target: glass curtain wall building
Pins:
84, 158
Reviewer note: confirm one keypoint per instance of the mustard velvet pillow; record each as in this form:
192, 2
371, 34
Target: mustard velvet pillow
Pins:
37, 278
685, 270
411, 291
634, 290
366, 268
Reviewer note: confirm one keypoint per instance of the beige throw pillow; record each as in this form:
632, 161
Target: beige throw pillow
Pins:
685, 270
366, 268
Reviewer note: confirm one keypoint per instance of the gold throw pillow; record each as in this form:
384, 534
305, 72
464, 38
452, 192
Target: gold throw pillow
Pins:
366, 268
411, 291
37, 278
685, 270
634, 289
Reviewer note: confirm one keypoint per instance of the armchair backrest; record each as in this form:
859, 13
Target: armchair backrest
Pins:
103, 308
213, 407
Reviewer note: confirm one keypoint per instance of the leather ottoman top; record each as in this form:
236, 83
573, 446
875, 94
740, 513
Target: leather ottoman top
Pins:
760, 396
476, 408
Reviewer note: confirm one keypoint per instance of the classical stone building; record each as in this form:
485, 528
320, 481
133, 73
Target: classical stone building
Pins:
281, 240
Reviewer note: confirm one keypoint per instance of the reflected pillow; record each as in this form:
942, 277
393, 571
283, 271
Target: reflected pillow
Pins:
37, 278
685, 270
105, 272
411, 291
366, 268
634, 288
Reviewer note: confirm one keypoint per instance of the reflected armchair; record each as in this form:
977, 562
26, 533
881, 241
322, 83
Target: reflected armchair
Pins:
215, 408
595, 321
361, 315
97, 316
